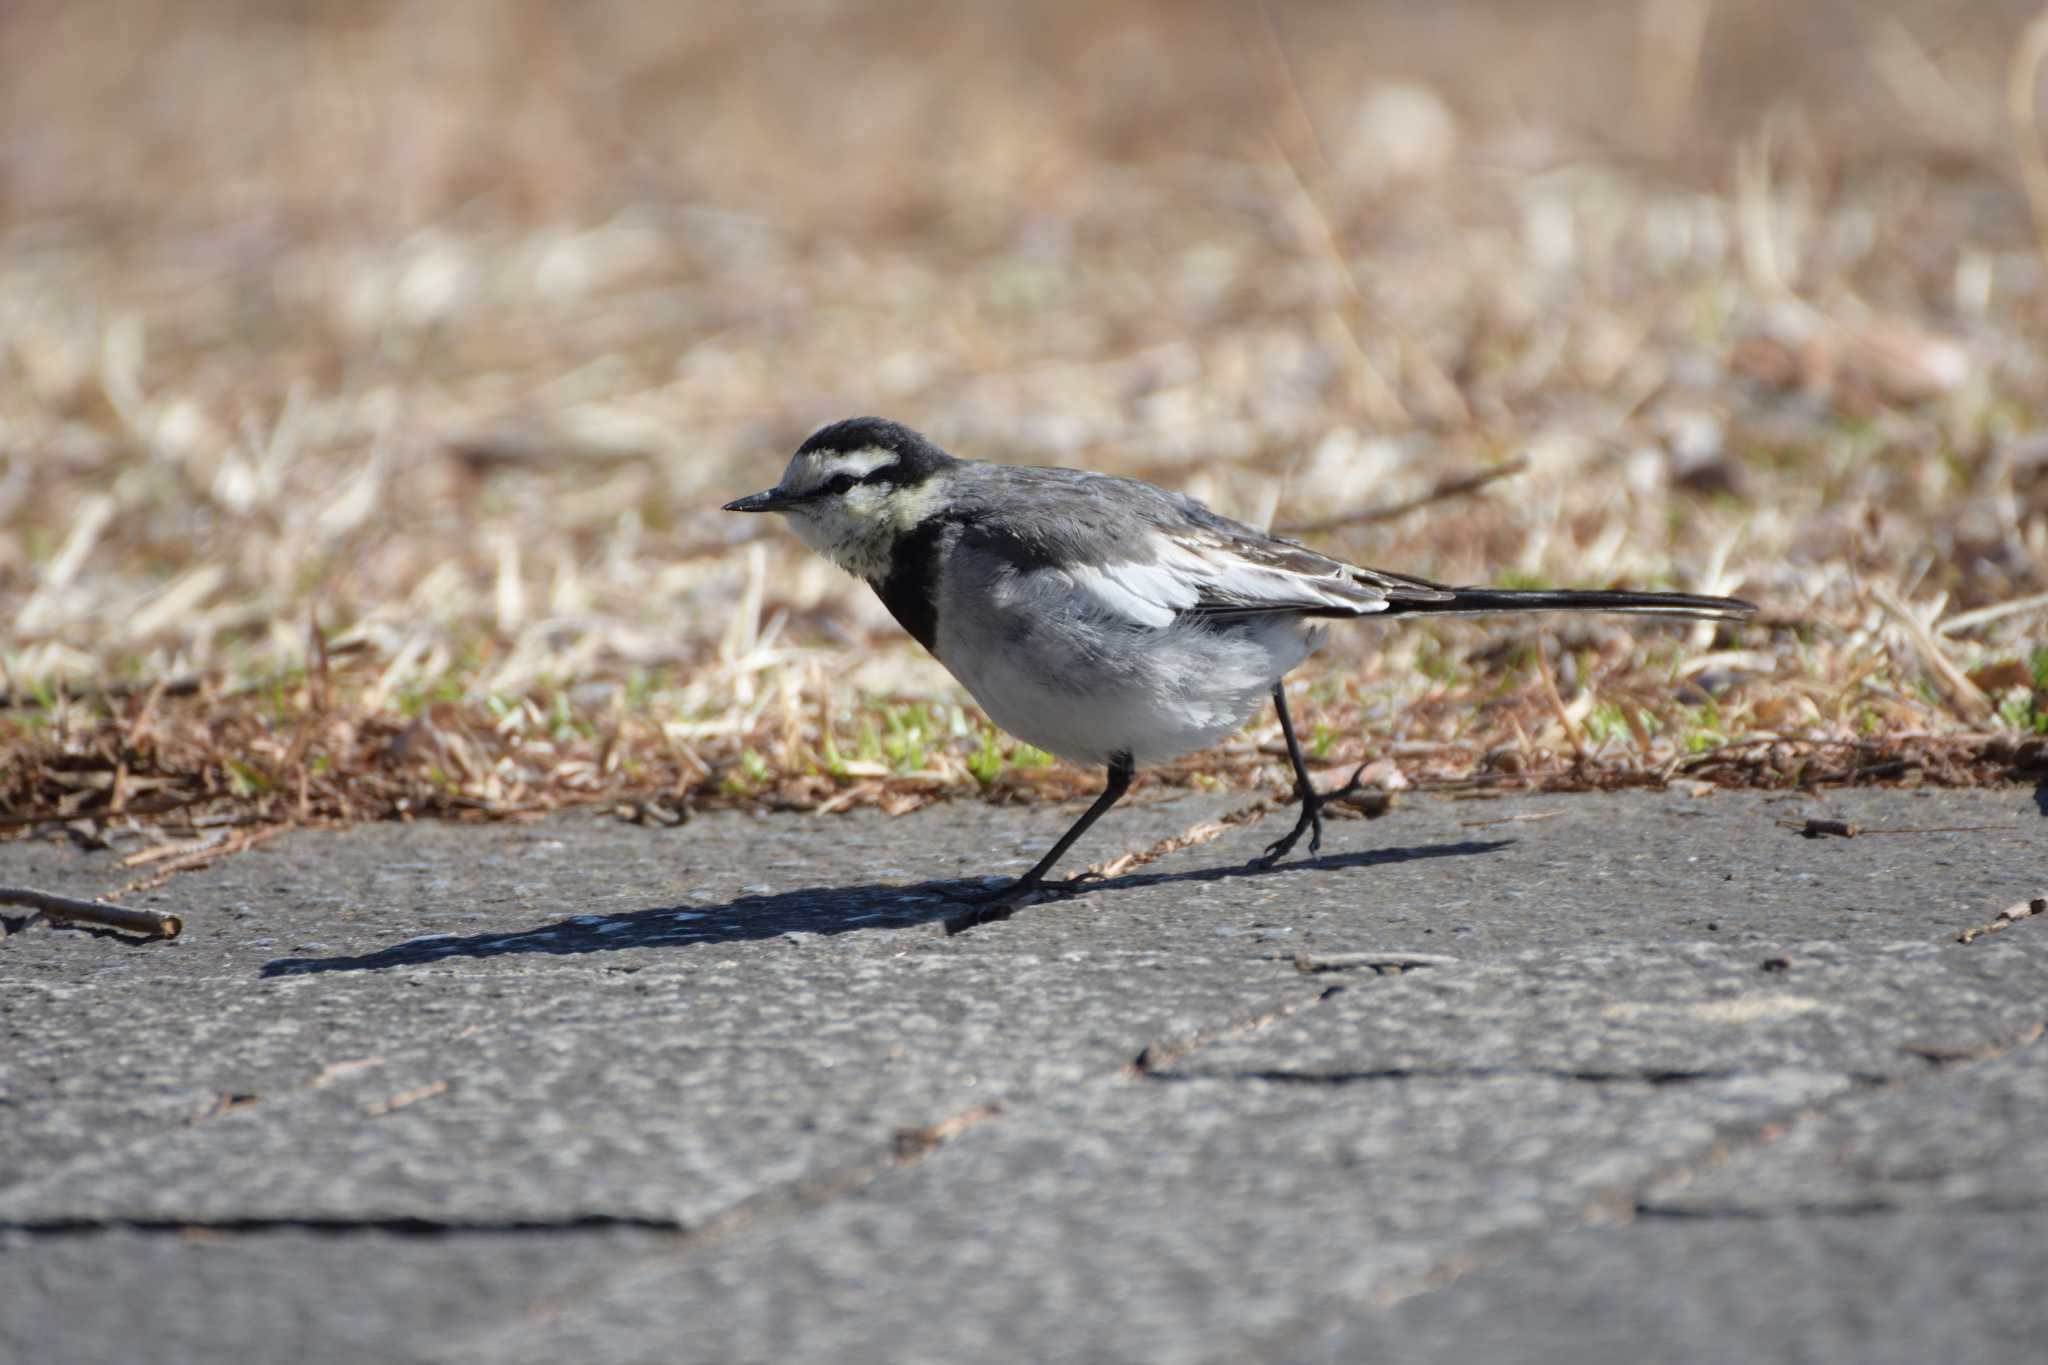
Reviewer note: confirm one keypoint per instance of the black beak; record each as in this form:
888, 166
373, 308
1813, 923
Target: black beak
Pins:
769, 501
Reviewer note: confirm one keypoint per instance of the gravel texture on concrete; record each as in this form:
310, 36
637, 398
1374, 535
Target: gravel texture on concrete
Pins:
1644, 1076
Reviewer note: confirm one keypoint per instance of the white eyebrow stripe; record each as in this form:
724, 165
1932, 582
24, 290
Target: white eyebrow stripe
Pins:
807, 473
855, 462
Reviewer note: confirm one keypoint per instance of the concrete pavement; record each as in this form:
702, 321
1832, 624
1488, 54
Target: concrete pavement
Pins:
1670, 1083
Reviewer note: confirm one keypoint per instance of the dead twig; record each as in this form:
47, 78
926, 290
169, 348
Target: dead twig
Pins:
1967, 699
200, 857
2006, 918
1449, 488
2021, 80
1193, 835
148, 923
1984, 616
1849, 829
379, 1108
1548, 679
1510, 820
1383, 963
913, 1143
156, 853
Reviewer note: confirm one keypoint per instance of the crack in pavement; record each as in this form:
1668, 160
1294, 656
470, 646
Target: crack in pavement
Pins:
1155, 1055
1736, 1138
1463, 1073
402, 1225
1847, 1208
908, 1146
918, 1143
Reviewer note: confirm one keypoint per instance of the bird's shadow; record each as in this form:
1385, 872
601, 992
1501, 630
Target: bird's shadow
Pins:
809, 910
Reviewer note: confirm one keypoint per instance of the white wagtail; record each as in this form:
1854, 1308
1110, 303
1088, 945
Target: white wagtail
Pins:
1103, 619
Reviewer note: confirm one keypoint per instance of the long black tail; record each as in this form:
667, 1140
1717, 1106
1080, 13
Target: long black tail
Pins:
1471, 601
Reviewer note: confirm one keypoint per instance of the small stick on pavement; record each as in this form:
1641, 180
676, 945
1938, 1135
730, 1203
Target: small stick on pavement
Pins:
148, 923
414, 1096
2006, 918
205, 853
1510, 820
1199, 833
1849, 829
156, 853
1372, 800
1384, 963
1814, 829
913, 1143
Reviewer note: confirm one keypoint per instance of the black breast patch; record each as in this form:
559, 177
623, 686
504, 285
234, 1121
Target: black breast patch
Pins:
911, 589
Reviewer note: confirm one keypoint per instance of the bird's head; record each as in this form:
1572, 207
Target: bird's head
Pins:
853, 489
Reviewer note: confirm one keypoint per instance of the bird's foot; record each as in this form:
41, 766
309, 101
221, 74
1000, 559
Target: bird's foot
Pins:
991, 904
1021, 888
1311, 821
970, 893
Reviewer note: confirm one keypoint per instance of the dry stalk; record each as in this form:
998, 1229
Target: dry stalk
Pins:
148, 923
1565, 718
1448, 489
200, 857
1996, 611
1194, 835
1964, 695
2006, 918
2021, 97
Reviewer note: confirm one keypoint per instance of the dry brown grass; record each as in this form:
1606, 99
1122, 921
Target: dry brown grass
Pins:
369, 379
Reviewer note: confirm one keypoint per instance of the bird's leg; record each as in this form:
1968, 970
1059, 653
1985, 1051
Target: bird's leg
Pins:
1121, 771
1312, 803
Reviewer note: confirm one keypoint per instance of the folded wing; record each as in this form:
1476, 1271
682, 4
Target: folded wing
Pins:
1209, 568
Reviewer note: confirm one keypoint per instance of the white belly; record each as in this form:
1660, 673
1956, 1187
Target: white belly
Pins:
1088, 691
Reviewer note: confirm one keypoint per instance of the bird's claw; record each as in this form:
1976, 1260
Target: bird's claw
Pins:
989, 912
971, 893
993, 904
1282, 846
989, 892
1311, 821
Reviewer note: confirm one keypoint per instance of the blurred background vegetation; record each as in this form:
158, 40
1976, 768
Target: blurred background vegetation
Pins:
371, 373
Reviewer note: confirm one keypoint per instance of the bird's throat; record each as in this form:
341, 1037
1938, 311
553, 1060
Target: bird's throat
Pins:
862, 551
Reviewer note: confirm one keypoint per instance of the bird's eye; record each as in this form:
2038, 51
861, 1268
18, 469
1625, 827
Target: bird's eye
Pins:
839, 483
